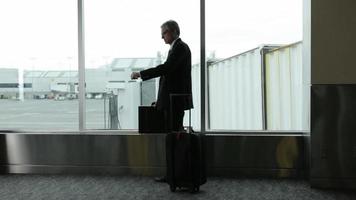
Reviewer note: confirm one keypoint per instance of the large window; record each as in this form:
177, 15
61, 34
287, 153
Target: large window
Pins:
253, 62
125, 36
38, 65
254, 54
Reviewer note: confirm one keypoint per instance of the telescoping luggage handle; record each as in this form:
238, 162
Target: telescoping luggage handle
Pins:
171, 110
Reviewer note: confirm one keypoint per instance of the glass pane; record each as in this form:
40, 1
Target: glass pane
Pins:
242, 78
122, 37
38, 65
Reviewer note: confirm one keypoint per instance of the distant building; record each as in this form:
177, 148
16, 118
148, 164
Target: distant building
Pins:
55, 83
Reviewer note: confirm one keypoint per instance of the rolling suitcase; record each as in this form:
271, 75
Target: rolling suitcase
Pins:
185, 154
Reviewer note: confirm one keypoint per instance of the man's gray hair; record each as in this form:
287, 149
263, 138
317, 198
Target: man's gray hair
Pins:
172, 26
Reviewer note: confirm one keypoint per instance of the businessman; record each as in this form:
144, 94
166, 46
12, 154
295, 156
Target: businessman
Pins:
175, 78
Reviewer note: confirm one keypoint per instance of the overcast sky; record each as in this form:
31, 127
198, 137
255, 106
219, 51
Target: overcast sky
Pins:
43, 33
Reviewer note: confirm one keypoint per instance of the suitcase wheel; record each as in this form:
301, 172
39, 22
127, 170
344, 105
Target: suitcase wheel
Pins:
193, 189
173, 188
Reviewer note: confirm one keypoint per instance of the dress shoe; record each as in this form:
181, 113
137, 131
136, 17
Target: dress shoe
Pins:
162, 179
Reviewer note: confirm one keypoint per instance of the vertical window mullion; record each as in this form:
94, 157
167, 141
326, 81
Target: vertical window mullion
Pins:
81, 65
203, 90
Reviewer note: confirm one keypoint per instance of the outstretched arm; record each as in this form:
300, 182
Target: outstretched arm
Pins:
174, 60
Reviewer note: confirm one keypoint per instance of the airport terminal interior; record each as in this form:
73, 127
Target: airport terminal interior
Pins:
273, 88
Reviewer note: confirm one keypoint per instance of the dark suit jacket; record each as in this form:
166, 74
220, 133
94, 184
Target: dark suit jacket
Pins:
175, 77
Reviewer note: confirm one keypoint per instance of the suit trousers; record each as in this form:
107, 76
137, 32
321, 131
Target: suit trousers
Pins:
174, 120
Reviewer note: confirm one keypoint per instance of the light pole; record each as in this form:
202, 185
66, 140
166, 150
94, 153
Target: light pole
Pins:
32, 73
71, 85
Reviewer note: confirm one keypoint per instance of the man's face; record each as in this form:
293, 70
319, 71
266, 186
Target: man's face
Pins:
167, 36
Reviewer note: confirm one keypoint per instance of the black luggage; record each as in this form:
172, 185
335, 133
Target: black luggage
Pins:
150, 120
185, 154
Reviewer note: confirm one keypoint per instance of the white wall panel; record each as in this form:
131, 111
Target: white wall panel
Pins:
235, 94
284, 91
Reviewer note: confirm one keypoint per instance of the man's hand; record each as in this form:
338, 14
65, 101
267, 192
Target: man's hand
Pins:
135, 75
